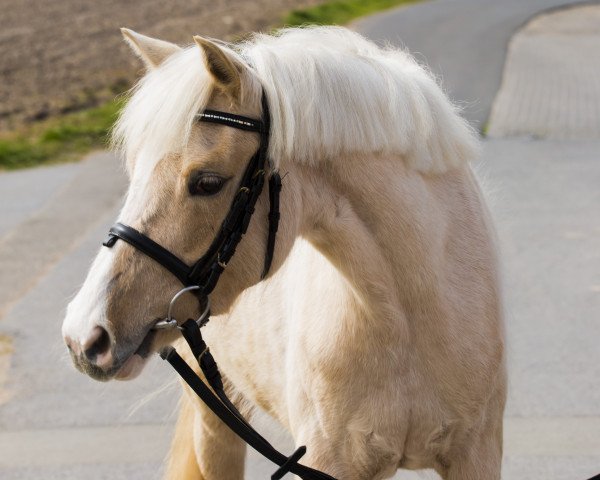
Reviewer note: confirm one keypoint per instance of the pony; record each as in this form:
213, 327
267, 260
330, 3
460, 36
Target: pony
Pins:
376, 339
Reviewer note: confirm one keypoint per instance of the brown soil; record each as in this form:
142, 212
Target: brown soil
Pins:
62, 55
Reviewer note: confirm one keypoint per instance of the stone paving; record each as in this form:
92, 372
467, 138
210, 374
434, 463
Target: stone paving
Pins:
551, 83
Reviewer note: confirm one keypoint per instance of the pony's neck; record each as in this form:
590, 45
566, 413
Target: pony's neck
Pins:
363, 214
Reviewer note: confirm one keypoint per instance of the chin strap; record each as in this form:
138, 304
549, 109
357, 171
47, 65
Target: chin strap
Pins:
221, 406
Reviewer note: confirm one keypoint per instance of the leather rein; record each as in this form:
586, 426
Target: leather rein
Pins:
202, 277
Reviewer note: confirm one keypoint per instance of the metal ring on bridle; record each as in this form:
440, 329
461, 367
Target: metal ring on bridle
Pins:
171, 322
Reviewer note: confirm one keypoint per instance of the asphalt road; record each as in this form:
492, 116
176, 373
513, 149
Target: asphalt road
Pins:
463, 42
58, 424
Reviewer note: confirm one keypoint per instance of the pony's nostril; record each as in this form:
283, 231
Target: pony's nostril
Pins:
97, 344
72, 345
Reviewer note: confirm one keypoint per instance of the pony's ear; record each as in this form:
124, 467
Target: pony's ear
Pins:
151, 50
222, 68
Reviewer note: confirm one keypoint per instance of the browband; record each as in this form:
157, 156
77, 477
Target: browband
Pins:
232, 120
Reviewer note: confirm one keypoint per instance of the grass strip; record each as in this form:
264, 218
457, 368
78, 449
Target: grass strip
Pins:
59, 139
339, 12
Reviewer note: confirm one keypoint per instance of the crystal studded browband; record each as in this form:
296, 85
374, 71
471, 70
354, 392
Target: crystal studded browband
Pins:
244, 123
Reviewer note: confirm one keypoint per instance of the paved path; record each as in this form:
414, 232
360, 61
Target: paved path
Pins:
70, 204
551, 86
546, 201
57, 424
462, 41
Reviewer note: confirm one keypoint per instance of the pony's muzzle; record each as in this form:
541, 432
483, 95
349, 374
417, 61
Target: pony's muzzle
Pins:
95, 349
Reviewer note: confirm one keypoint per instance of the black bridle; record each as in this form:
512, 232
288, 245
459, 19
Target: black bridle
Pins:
205, 272
202, 278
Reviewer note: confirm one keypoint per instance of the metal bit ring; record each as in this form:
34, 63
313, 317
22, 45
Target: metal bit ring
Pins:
171, 322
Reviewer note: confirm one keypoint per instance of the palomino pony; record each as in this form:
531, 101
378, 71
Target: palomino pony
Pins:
377, 338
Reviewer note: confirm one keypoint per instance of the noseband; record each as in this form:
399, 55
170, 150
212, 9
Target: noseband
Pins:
202, 277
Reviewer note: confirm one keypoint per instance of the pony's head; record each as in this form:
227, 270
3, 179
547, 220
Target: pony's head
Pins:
183, 176
334, 97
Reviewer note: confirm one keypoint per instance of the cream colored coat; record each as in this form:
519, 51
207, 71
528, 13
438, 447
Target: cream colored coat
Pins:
377, 338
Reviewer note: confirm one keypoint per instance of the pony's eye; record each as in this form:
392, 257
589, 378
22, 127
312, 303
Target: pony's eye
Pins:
206, 184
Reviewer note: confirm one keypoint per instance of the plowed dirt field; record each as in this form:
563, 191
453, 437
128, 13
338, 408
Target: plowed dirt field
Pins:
63, 55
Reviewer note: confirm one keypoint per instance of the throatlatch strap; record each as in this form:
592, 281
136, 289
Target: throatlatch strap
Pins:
274, 190
227, 412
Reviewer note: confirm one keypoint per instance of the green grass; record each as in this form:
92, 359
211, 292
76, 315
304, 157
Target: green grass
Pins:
59, 139
339, 12
68, 137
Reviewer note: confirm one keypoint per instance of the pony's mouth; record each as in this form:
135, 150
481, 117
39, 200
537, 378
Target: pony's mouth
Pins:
128, 363
134, 365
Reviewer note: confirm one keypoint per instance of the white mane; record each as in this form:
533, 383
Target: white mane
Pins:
331, 93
